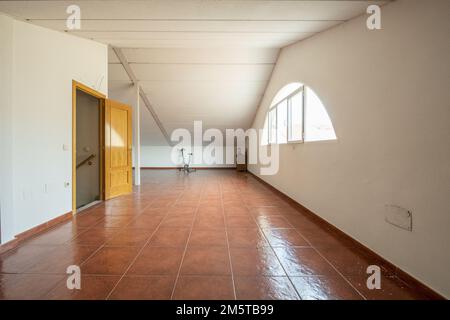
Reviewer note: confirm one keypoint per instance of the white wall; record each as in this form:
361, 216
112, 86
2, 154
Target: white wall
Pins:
160, 156
6, 128
155, 152
45, 63
387, 94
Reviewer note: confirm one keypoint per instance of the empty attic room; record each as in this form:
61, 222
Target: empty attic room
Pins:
225, 150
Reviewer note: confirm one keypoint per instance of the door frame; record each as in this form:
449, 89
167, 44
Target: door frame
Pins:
101, 98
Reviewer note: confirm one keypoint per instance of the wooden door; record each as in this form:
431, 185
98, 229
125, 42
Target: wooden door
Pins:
118, 142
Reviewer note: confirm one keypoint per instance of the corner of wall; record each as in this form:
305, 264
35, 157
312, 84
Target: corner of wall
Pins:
6, 129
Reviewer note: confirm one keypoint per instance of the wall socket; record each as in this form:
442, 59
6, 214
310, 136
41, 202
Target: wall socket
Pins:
398, 216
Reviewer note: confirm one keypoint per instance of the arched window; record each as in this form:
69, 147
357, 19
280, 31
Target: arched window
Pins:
296, 115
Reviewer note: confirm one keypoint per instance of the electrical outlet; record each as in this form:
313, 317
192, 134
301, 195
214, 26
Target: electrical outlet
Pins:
399, 217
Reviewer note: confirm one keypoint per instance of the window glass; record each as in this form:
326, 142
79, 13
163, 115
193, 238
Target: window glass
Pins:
285, 91
273, 126
295, 132
282, 114
297, 115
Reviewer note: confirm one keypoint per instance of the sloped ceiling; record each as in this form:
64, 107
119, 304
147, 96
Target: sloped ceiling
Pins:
206, 60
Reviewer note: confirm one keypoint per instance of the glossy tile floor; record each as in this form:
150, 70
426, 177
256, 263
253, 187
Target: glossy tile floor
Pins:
213, 234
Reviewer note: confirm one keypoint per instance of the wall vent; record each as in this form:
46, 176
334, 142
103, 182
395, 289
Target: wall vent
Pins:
398, 216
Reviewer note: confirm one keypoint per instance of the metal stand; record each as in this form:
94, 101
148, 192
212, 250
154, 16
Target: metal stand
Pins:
186, 168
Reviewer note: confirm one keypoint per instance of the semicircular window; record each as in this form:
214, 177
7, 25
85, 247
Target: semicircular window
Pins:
297, 114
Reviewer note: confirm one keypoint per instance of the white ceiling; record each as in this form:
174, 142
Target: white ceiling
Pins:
206, 60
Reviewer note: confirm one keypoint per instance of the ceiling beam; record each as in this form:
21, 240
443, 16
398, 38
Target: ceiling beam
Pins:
144, 97
124, 62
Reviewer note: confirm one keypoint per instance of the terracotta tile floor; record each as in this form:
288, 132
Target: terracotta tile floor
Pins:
213, 234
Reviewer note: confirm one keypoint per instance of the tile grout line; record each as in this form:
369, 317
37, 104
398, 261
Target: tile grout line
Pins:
139, 253
187, 243
177, 192
228, 242
81, 264
102, 219
317, 251
59, 225
66, 244
275, 254
323, 257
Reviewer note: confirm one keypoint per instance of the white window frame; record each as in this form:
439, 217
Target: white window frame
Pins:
288, 101
301, 89
287, 120
270, 127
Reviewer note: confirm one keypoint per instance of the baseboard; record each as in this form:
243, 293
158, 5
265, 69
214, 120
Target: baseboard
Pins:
410, 280
158, 168
214, 168
34, 231
9, 245
176, 168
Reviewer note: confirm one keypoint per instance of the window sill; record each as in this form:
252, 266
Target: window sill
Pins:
301, 142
